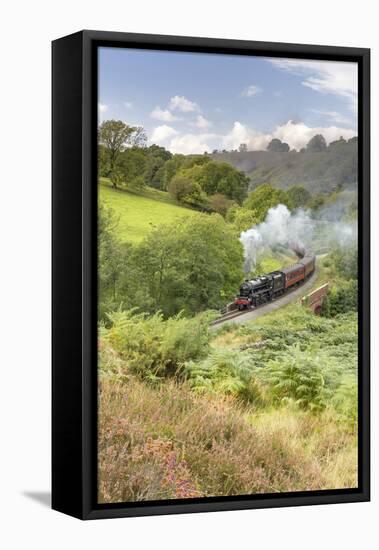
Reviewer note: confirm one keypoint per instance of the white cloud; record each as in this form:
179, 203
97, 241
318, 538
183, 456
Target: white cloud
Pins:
238, 134
161, 134
202, 122
191, 143
163, 114
332, 115
103, 108
181, 103
256, 141
297, 135
186, 144
128, 104
251, 91
328, 77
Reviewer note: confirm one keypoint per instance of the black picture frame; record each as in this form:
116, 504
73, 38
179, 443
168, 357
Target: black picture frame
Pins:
74, 272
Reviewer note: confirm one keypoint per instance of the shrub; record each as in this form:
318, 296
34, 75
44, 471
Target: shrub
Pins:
180, 187
296, 376
220, 203
341, 299
152, 347
345, 260
137, 183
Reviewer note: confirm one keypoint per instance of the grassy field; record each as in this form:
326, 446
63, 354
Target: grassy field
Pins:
138, 213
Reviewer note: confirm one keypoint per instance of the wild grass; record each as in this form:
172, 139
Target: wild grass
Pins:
167, 442
139, 212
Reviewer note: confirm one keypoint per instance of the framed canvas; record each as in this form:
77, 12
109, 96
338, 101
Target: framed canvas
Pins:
210, 275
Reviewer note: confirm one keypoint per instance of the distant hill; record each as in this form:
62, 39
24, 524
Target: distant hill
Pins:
335, 168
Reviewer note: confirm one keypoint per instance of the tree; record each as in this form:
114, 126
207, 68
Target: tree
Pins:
317, 201
191, 266
156, 159
115, 136
341, 299
153, 173
337, 142
220, 177
299, 195
345, 260
112, 263
317, 144
133, 162
103, 161
265, 197
158, 151
195, 160
242, 218
170, 168
220, 204
183, 189
278, 146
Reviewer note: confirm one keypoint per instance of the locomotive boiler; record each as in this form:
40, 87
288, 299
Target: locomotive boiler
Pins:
266, 288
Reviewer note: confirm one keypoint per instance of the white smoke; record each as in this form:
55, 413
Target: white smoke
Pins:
296, 230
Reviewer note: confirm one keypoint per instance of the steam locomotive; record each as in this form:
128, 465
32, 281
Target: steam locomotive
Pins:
266, 288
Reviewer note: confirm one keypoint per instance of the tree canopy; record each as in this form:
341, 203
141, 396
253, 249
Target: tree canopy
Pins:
317, 144
265, 197
220, 177
278, 146
299, 195
115, 136
194, 266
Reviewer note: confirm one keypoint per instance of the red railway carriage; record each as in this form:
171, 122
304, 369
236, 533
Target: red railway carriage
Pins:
294, 274
309, 264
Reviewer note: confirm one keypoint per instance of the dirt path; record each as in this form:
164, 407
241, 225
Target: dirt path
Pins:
273, 306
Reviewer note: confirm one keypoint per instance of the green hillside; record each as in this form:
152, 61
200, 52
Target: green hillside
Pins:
326, 171
138, 213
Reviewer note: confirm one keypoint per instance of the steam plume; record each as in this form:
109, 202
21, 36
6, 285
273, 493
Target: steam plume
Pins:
295, 230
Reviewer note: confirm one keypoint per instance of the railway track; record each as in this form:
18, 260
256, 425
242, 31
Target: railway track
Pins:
240, 316
227, 316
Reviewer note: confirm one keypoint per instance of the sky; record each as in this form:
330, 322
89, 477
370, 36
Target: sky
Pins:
196, 102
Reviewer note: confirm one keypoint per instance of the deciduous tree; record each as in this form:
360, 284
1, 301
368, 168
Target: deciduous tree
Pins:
278, 146
115, 136
192, 266
265, 197
299, 195
317, 144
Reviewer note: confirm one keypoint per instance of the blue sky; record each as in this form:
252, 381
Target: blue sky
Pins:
194, 102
